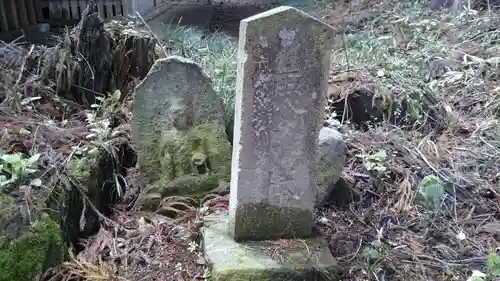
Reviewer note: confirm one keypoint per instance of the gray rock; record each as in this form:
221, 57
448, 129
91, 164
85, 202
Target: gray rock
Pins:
175, 97
332, 155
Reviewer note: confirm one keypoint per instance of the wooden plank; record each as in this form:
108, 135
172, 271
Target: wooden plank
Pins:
65, 9
4, 24
134, 7
54, 10
73, 9
126, 5
112, 9
30, 11
131, 7
100, 9
107, 11
21, 13
12, 15
118, 8
121, 6
58, 11
79, 6
38, 10
144, 6
83, 6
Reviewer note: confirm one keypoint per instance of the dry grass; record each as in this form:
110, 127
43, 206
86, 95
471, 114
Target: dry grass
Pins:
444, 67
447, 66
145, 246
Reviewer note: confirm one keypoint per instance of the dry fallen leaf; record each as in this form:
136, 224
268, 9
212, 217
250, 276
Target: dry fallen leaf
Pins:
491, 228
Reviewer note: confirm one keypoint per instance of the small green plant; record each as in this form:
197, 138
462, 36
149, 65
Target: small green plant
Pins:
492, 269
374, 256
215, 53
376, 162
15, 168
371, 253
207, 274
112, 104
493, 264
432, 191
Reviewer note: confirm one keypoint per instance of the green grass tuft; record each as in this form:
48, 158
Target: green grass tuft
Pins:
215, 53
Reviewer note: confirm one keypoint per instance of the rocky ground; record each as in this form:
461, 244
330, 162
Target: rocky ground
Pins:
414, 92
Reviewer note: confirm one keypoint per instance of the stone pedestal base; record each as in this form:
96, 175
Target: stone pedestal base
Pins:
276, 260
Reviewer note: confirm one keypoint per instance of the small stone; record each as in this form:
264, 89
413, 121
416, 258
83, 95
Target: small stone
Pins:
323, 221
200, 260
332, 155
24, 132
36, 182
150, 201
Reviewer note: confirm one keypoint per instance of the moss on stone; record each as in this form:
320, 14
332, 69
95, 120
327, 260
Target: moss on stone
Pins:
78, 168
7, 206
276, 275
166, 155
81, 168
301, 259
193, 162
190, 185
323, 172
22, 259
254, 227
205, 144
8, 211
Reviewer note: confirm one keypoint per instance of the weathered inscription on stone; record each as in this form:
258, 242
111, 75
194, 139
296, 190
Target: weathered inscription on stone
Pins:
284, 58
175, 94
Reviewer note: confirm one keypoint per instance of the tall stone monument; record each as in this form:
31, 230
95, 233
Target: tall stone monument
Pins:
282, 77
283, 64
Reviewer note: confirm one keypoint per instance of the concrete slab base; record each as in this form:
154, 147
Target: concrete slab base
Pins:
277, 260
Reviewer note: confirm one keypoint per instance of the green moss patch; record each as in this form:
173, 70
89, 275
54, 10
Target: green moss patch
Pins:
298, 259
192, 163
202, 149
265, 221
24, 258
190, 185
